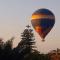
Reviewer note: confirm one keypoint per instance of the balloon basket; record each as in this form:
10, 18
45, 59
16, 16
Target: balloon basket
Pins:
43, 40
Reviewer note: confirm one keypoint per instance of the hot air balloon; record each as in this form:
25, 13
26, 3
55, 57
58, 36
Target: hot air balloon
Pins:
43, 21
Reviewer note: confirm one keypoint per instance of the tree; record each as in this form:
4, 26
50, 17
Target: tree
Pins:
7, 51
1, 48
26, 45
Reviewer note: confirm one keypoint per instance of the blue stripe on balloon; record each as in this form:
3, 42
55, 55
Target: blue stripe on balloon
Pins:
43, 11
45, 23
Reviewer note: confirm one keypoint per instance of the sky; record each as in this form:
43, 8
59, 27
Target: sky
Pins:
16, 14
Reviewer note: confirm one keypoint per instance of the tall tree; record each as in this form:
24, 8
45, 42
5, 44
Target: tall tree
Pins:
7, 51
26, 45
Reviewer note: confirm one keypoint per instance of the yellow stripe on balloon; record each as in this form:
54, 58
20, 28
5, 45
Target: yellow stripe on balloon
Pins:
39, 16
36, 16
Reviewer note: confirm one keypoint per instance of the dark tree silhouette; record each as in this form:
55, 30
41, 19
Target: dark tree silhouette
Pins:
1, 48
7, 51
26, 45
25, 49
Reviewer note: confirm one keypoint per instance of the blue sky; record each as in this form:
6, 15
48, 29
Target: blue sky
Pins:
16, 14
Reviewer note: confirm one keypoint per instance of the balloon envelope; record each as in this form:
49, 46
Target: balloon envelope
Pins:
43, 20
